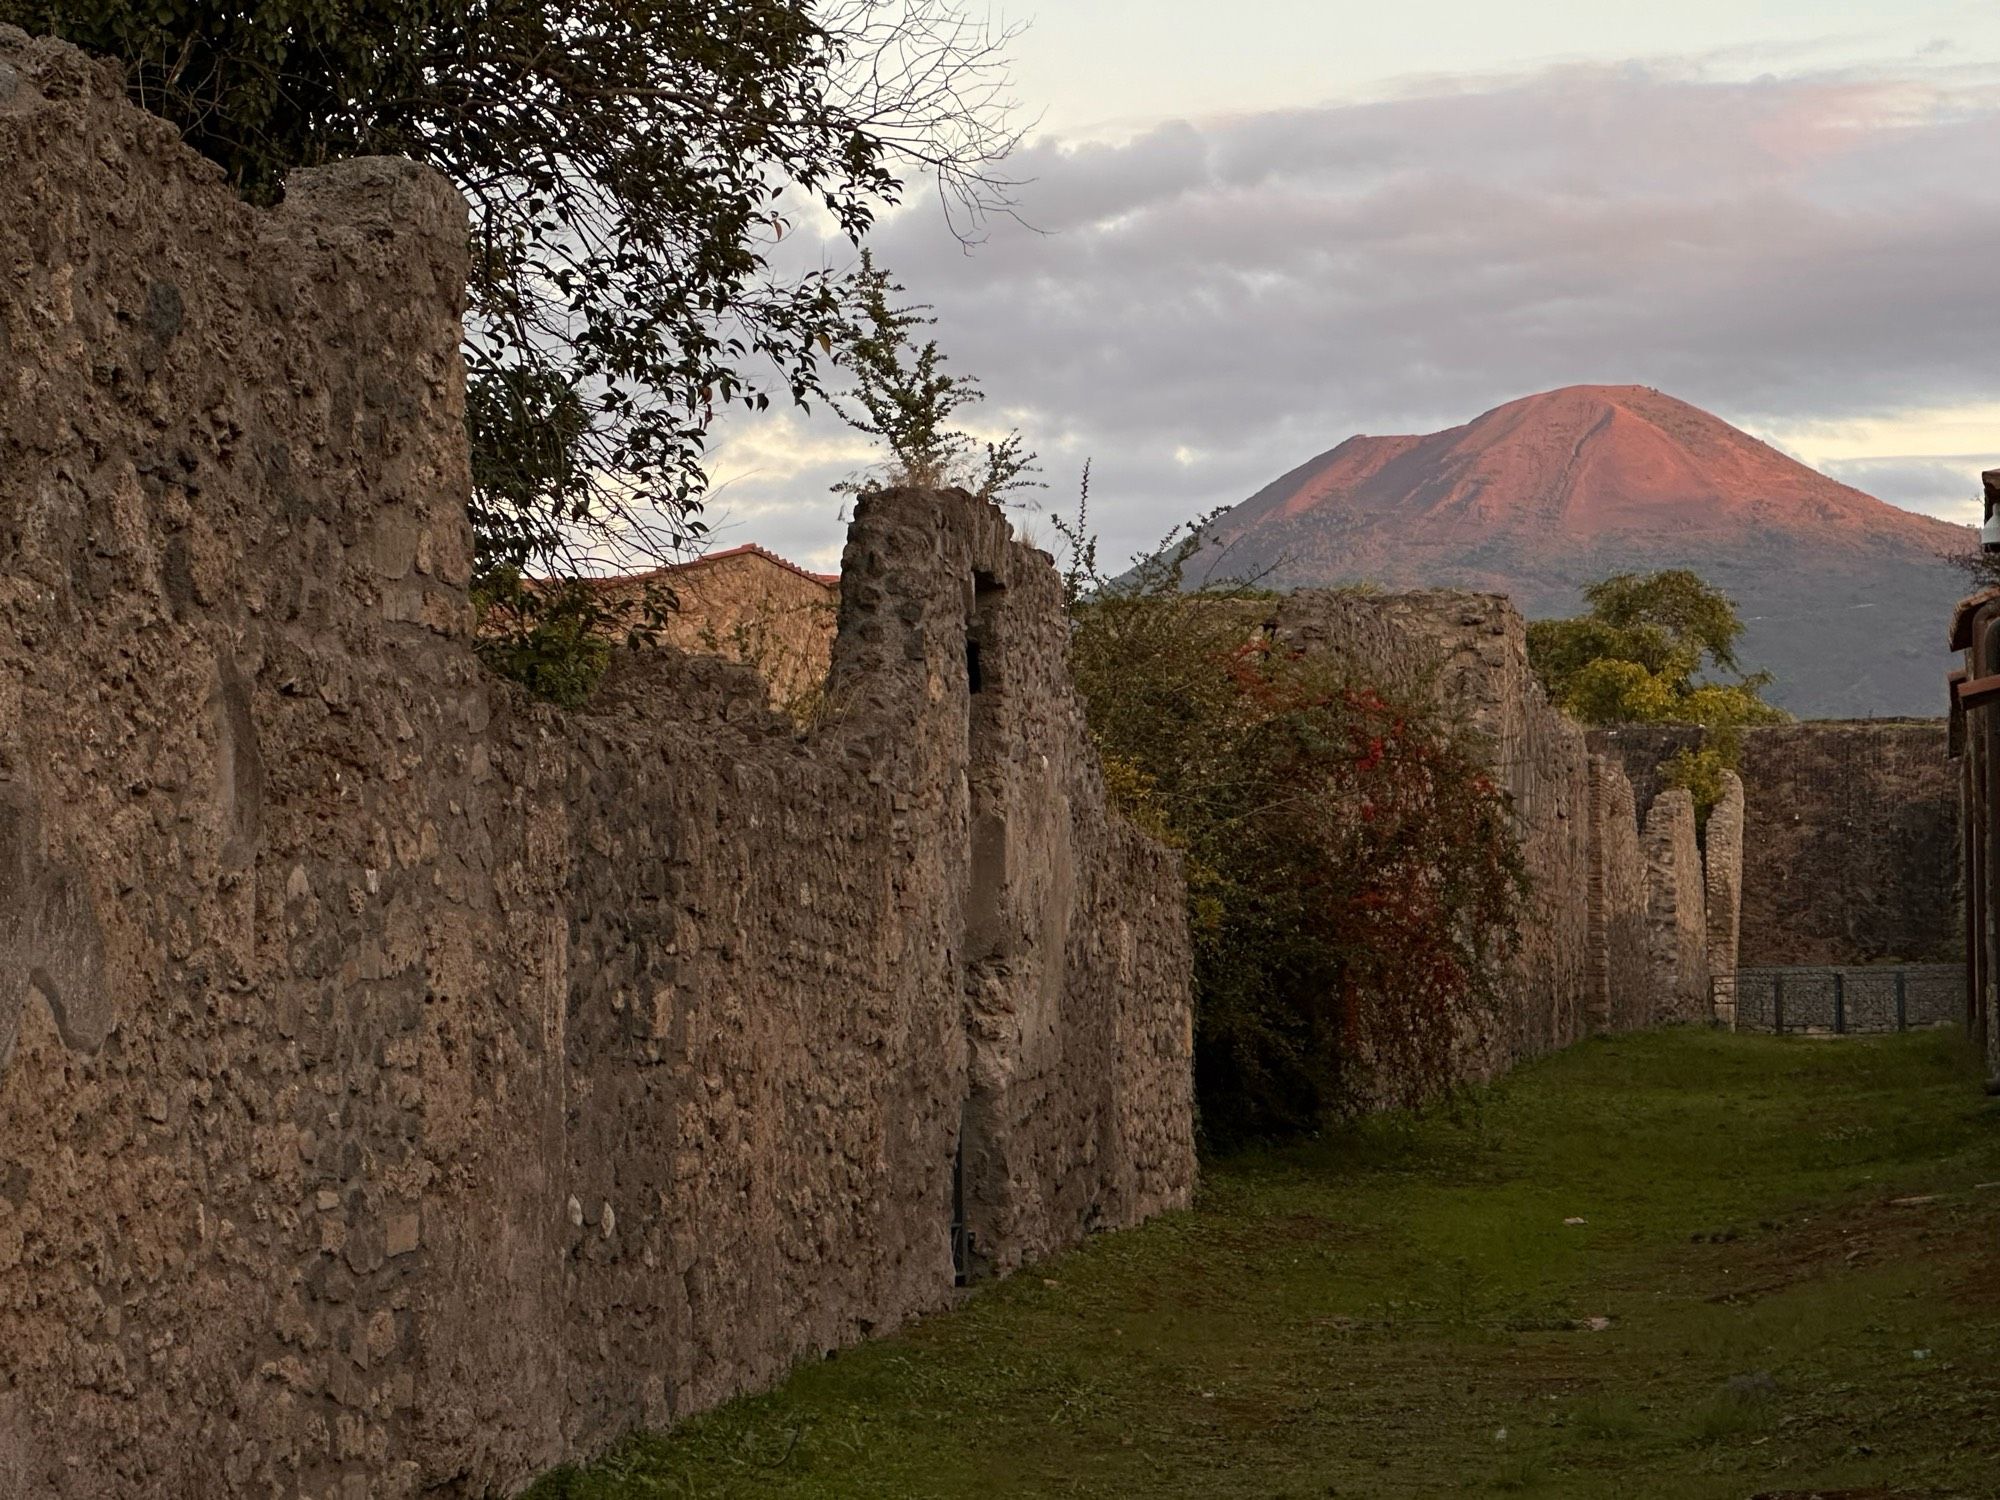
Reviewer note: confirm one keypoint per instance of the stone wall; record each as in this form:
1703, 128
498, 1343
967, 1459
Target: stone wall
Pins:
1850, 845
404, 1085
1642, 752
1472, 650
1618, 931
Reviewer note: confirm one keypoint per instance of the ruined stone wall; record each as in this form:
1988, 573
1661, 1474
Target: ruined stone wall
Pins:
1850, 846
1617, 930
404, 1085
1642, 752
1622, 989
1472, 650
1676, 908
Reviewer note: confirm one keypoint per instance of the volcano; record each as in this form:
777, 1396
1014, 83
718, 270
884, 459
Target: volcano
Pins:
1845, 598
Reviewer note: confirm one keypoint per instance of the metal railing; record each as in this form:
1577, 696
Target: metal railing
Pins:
1842, 1000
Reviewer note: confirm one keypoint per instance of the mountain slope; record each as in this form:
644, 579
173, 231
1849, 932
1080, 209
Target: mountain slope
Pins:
1845, 598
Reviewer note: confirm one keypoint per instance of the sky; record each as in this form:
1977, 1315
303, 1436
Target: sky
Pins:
1251, 230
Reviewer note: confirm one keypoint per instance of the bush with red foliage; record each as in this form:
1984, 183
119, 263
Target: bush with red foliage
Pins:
1354, 877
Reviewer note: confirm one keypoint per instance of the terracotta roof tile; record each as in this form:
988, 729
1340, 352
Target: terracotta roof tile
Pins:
617, 580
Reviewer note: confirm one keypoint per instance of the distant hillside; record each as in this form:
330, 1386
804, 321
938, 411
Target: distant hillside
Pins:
1845, 598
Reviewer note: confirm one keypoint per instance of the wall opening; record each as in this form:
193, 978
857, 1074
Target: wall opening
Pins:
986, 592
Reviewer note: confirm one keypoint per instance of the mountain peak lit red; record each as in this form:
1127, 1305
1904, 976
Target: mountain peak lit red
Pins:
1586, 461
1545, 494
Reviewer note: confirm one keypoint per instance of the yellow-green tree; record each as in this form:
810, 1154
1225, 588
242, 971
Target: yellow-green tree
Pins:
1657, 648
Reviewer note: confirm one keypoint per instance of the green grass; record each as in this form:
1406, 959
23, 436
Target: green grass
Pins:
1399, 1309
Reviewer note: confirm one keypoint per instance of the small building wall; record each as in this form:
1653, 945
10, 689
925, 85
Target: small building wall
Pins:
750, 606
1975, 631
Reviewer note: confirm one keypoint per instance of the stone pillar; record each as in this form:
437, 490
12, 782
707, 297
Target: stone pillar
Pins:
1723, 880
1676, 917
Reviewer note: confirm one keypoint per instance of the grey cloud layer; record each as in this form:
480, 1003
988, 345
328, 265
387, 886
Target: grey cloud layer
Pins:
1937, 485
1256, 289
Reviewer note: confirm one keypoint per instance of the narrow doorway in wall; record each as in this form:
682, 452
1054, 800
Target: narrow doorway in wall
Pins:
975, 1192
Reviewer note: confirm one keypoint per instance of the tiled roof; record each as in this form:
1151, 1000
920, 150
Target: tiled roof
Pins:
617, 580
753, 549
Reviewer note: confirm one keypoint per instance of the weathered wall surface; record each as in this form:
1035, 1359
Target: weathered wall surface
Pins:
1676, 908
401, 1085
1618, 930
1473, 648
1850, 844
1642, 752
1850, 848
747, 605
1722, 865
1622, 990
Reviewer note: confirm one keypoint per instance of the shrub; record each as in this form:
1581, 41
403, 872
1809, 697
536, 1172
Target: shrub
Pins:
550, 638
1353, 875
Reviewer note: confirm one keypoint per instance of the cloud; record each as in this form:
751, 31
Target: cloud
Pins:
1206, 304
1947, 486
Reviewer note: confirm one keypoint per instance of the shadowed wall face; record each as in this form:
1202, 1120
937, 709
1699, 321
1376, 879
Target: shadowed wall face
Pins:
1621, 989
1850, 845
403, 1085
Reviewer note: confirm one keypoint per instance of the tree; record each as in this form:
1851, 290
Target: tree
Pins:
628, 164
1635, 658
905, 399
1980, 567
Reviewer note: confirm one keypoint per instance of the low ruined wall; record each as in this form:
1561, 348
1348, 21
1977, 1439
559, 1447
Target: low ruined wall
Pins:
1472, 648
1618, 927
1850, 843
404, 1085
1642, 752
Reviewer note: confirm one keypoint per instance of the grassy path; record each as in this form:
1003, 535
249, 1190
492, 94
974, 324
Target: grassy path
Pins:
1403, 1310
